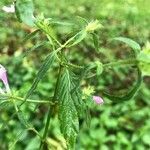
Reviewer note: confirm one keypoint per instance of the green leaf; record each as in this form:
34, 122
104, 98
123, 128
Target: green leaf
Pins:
134, 45
99, 68
17, 139
24, 11
69, 102
22, 119
145, 68
62, 23
4, 97
96, 41
4, 104
128, 95
77, 38
39, 45
31, 35
144, 60
76, 92
42, 71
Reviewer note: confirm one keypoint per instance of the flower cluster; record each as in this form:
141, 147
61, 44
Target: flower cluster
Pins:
90, 91
144, 60
3, 78
93, 25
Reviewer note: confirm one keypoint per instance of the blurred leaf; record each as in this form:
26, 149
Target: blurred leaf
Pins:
39, 45
31, 35
42, 71
4, 97
16, 139
99, 68
4, 104
22, 119
130, 94
96, 41
77, 38
144, 60
63, 23
24, 11
134, 45
146, 138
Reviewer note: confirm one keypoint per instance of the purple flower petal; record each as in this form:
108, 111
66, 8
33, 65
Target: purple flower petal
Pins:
3, 77
98, 100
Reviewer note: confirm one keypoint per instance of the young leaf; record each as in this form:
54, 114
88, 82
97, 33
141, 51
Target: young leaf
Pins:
16, 139
77, 38
68, 114
4, 104
22, 119
99, 68
130, 94
134, 45
96, 41
39, 45
42, 71
31, 35
24, 11
4, 97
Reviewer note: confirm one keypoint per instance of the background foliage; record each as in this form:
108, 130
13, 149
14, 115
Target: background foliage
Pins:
113, 126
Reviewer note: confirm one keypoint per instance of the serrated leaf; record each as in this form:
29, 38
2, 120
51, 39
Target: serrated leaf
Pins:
31, 35
134, 45
96, 41
42, 71
76, 92
24, 11
77, 38
80, 21
128, 95
68, 113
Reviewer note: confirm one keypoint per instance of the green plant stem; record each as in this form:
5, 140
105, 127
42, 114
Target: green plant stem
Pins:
32, 101
50, 111
28, 100
121, 63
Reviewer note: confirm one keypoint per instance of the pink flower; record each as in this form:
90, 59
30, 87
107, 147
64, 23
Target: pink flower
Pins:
3, 78
98, 100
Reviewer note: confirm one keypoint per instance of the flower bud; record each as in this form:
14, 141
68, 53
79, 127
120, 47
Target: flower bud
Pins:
144, 60
3, 78
98, 100
93, 25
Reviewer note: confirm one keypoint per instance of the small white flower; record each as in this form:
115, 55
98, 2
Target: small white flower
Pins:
9, 9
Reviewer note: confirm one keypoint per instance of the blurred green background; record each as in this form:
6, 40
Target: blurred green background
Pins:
123, 126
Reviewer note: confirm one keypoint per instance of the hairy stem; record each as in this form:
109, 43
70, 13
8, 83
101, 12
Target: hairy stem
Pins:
121, 63
22, 99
